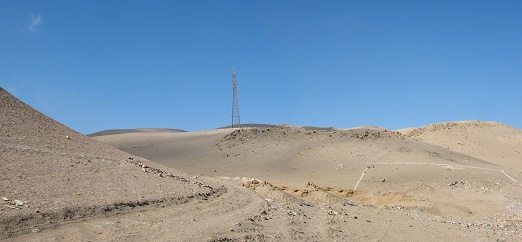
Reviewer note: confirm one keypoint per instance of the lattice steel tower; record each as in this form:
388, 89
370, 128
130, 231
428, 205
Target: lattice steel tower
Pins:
236, 121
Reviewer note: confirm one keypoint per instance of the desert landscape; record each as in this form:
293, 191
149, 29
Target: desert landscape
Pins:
261, 121
453, 181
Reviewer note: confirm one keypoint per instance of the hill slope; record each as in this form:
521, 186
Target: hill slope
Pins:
316, 185
383, 167
50, 173
489, 141
122, 131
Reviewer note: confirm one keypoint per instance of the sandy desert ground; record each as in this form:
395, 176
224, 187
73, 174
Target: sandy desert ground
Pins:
455, 181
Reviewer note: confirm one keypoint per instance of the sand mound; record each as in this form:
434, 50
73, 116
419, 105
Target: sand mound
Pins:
317, 173
124, 131
449, 127
367, 127
289, 133
282, 183
490, 141
249, 126
362, 159
50, 173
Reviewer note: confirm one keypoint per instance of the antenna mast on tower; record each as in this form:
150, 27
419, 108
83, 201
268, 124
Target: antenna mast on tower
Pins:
235, 102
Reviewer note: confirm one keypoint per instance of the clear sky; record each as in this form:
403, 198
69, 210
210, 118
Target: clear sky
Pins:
96, 65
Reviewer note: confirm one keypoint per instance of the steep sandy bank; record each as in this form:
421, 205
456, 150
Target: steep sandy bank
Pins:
50, 174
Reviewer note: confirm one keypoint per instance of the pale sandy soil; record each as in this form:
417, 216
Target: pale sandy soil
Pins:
256, 184
51, 174
123, 131
376, 168
489, 141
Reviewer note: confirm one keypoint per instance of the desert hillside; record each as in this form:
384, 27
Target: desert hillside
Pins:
384, 168
490, 141
123, 131
51, 174
267, 183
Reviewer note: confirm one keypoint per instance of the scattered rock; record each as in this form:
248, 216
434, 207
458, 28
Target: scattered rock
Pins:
18, 203
349, 203
332, 212
453, 183
35, 230
303, 203
5, 199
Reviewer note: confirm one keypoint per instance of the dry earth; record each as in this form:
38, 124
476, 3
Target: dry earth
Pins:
375, 168
256, 184
122, 131
51, 174
490, 141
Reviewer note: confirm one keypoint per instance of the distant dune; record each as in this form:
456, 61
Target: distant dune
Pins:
490, 141
122, 131
253, 125
367, 159
249, 126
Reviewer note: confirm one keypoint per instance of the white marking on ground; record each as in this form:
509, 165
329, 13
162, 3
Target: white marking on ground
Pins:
510, 177
476, 167
360, 178
434, 164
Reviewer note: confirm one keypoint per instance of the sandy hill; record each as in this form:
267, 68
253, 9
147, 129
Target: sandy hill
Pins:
490, 141
51, 174
252, 125
261, 184
372, 166
122, 131
255, 125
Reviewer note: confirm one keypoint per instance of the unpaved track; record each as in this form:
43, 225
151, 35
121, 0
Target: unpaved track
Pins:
76, 189
51, 174
271, 215
411, 190
196, 220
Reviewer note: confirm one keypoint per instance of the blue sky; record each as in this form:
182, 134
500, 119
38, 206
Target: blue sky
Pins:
96, 65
